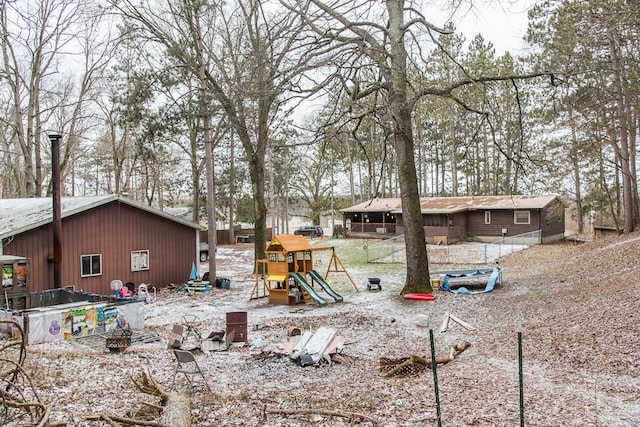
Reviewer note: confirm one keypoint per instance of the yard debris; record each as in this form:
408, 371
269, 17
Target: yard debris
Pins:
120, 338
187, 336
462, 323
415, 365
293, 331
490, 278
310, 348
353, 417
20, 404
138, 337
445, 322
217, 342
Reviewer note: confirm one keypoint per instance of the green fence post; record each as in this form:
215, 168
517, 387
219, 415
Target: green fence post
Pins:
435, 372
520, 374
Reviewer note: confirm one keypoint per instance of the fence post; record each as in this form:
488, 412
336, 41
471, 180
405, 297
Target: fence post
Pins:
434, 368
520, 373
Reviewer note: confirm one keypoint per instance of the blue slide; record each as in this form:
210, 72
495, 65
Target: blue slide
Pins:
324, 285
308, 289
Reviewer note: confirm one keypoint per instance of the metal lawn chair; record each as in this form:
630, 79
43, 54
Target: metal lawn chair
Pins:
190, 323
187, 365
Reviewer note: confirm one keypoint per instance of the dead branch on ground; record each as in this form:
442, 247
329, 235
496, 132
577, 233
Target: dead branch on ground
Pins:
18, 394
352, 416
415, 365
118, 421
174, 409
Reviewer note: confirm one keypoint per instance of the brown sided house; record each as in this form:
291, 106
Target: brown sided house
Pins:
475, 218
104, 238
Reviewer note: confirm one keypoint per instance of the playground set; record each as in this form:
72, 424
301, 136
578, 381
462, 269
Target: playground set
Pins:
287, 275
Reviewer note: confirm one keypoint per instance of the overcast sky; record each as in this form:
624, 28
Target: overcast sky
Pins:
504, 23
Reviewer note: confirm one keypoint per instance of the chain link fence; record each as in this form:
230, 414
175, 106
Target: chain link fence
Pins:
393, 250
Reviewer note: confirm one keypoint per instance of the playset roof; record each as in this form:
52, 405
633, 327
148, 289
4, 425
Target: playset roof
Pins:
288, 243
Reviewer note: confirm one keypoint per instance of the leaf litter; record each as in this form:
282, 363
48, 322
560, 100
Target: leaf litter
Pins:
579, 310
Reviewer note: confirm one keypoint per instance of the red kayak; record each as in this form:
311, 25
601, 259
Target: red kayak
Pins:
423, 297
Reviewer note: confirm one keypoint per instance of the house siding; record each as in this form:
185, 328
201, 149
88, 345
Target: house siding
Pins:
453, 231
553, 223
112, 230
500, 219
465, 218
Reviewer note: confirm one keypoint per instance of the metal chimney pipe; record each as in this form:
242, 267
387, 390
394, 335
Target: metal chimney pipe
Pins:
57, 210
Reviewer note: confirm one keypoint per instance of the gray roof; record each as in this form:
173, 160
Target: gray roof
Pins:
20, 215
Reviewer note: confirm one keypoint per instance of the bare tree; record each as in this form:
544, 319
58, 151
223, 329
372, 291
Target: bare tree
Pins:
253, 57
387, 39
33, 43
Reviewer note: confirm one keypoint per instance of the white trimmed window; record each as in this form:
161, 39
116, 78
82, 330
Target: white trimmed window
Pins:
139, 260
522, 217
487, 217
90, 265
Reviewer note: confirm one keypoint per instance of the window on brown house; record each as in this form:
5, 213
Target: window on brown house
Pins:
522, 217
139, 260
91, 265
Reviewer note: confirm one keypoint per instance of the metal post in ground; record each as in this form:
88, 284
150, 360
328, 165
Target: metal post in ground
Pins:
520, 374
434, 368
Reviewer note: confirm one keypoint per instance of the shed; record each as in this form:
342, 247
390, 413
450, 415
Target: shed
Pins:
104, 238
604, 231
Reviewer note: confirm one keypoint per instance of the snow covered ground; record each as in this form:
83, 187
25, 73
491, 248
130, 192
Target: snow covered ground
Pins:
580, 322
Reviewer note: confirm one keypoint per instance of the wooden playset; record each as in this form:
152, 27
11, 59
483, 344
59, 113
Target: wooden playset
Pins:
287, 275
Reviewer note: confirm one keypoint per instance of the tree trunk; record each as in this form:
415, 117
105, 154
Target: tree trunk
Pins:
454, 161
205, 114
232, 188
576, 171
176, 408
417, 279
177, 411
256, 170
629, 210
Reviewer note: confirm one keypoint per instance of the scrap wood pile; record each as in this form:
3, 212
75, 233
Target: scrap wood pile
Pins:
308, 348
415, 365
187, 335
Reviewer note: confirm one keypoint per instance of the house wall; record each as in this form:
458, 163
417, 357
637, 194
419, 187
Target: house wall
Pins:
553, 223
112, 230
453, 230
470, 225
375, 225
500, 219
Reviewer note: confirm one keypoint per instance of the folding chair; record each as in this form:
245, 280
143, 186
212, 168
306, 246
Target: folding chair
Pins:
187, 365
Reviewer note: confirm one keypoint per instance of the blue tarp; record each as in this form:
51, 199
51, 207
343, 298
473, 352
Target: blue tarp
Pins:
194, 272
491, 283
